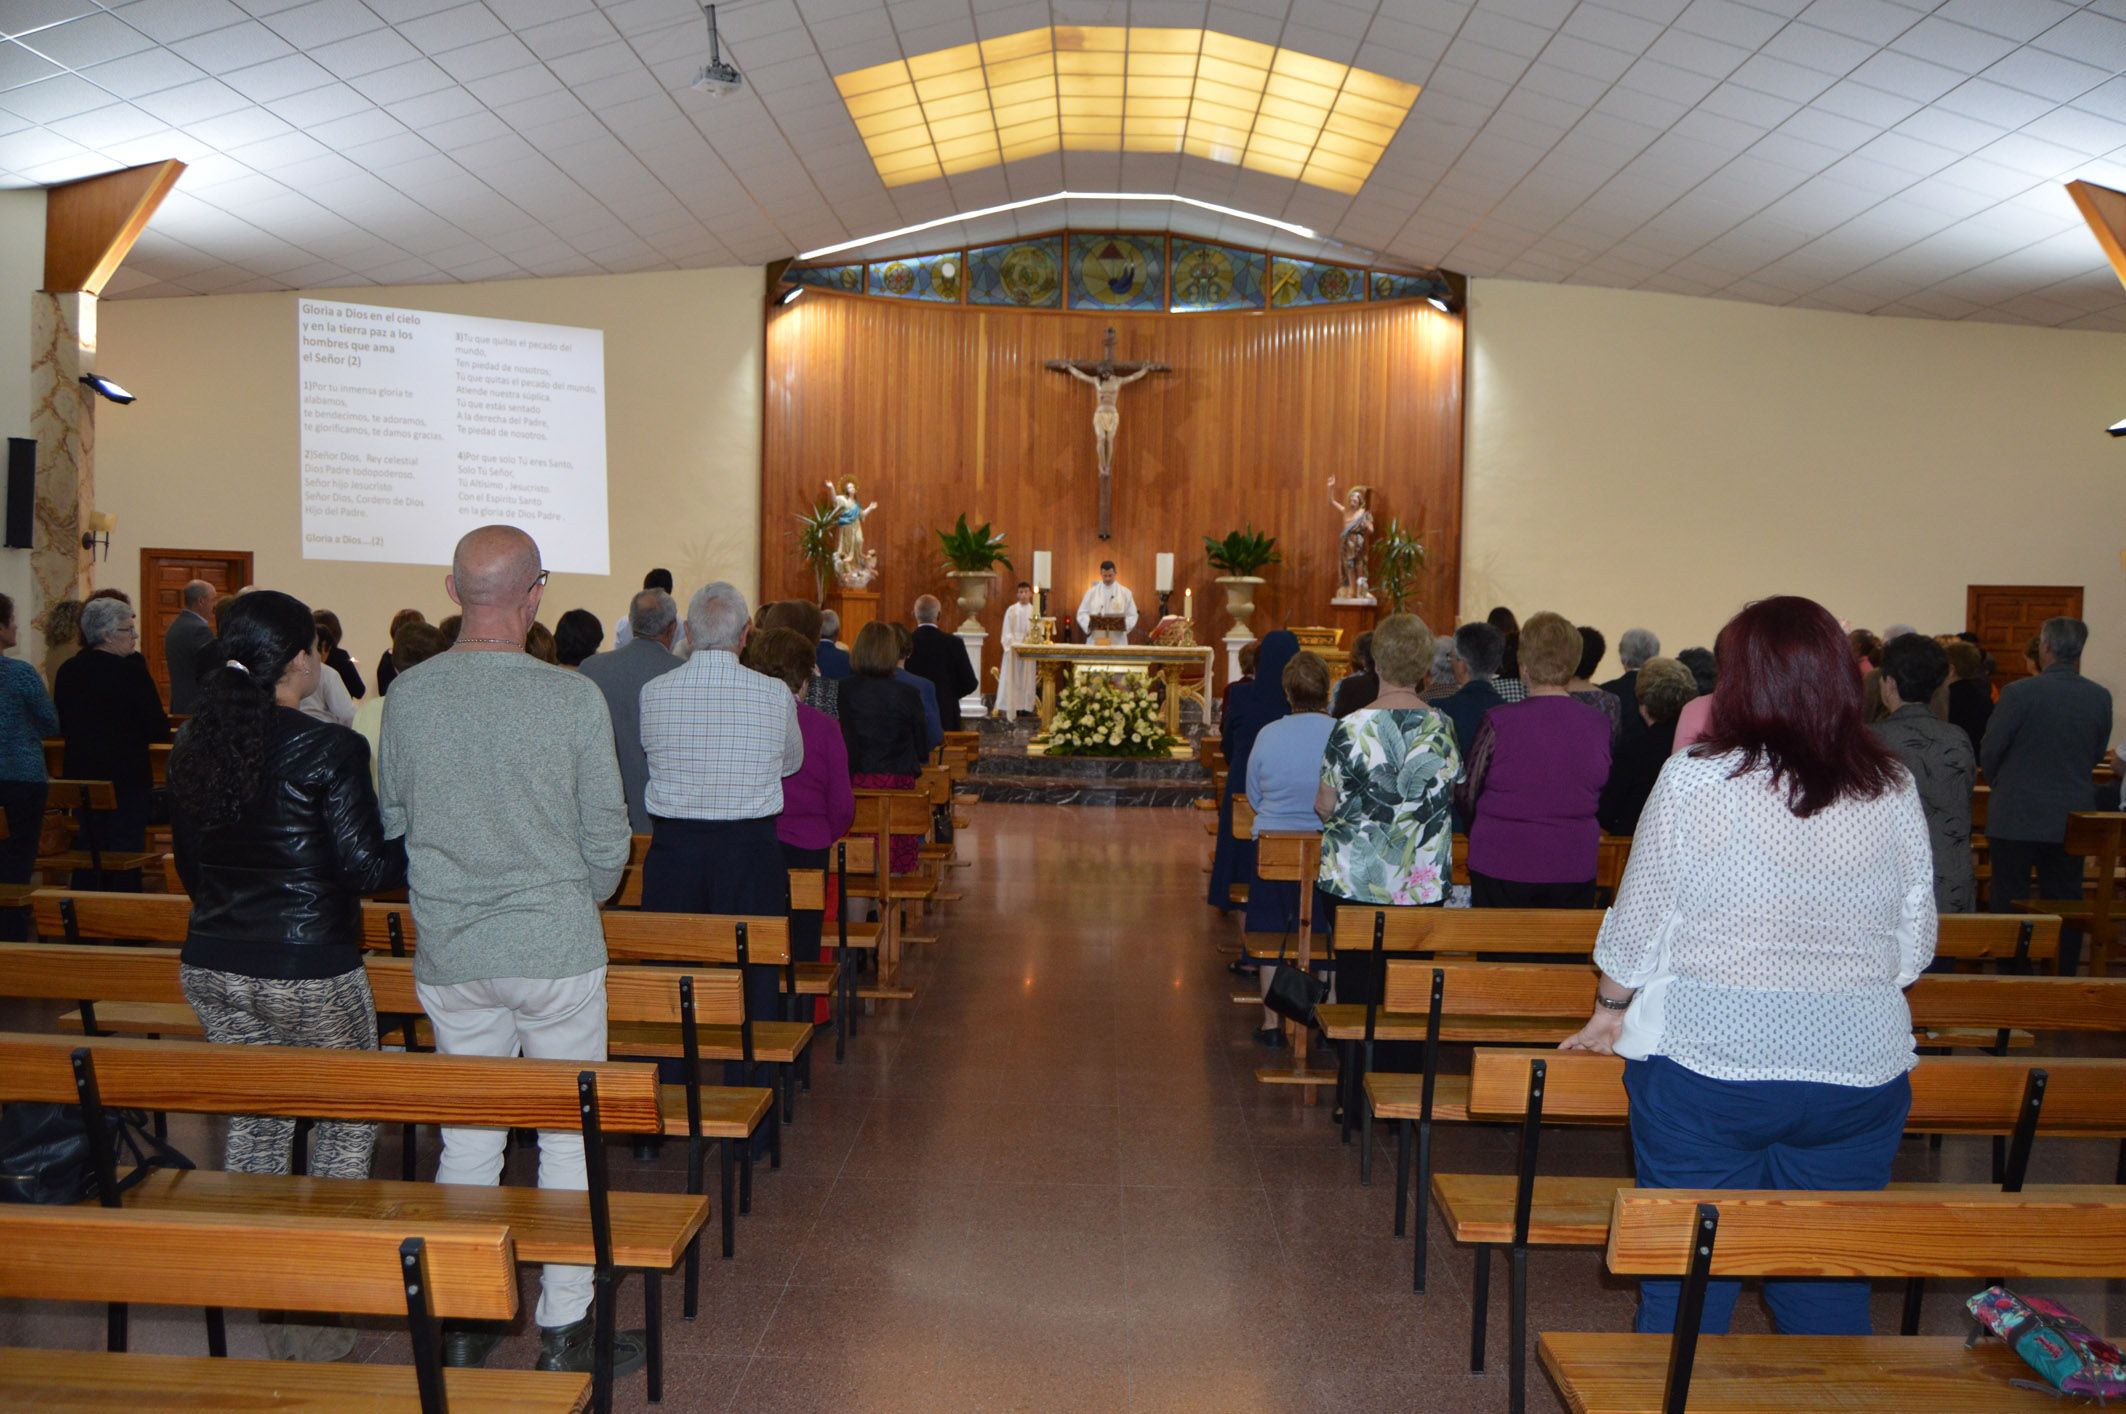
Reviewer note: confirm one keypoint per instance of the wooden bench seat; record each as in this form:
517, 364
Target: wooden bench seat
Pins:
95, 1379
1974, 1234
650, 1230
1398, 1095
774, 1042
1756, 1374
728, 1112
69, 861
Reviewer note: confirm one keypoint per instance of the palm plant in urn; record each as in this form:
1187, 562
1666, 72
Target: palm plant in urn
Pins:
817, 530
971, 558
1397, 557
1239, 556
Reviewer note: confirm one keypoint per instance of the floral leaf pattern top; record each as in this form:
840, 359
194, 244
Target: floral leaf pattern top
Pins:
1391, 838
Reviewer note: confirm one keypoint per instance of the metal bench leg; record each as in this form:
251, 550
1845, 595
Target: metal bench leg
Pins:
217, 1334
653, 1334
1365, 1135
774, 1138
730, 1212
1480, 1308
1915, 1295
1402, 1178
409, 1150
1517, 1357
1423, 1234
745, 1176
1345, 1056
604, 1322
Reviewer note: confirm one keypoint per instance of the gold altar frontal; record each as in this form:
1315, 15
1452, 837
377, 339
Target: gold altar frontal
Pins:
1167, 663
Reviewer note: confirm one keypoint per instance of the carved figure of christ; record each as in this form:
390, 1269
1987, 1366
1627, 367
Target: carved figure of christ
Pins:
1108, 378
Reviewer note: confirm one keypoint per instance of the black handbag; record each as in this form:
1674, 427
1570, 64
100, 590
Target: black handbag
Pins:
45, 1155
1294, 991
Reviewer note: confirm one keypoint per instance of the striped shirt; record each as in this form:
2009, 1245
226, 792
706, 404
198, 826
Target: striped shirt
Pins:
719, 738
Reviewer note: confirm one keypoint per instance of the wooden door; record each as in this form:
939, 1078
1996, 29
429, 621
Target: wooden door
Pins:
2007, 616
163, 577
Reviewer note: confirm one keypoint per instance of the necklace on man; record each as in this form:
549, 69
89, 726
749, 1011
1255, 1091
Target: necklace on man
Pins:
504, 642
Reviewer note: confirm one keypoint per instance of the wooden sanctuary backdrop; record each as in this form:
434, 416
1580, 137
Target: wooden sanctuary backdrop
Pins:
937, 410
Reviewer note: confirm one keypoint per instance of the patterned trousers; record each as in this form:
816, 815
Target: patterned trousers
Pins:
335, 1012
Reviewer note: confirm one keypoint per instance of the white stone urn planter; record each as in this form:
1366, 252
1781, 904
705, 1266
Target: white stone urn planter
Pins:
1240, 603
973, 595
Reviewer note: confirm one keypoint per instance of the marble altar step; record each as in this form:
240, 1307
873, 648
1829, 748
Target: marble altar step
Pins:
1006, 774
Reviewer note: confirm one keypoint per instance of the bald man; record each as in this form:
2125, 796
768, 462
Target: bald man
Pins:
499, 770
190, 632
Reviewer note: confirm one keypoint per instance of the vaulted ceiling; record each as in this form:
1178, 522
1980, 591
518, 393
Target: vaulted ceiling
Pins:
1890, 156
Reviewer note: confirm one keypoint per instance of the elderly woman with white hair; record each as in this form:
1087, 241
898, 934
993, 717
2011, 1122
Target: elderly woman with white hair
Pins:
110, 714
1635, 648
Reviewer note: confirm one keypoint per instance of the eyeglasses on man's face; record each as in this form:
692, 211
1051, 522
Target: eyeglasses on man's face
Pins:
539, 582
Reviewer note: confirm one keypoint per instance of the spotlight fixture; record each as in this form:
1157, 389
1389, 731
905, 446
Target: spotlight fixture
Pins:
716, 77
790, 295
2117, 429
1439, 294
104, 386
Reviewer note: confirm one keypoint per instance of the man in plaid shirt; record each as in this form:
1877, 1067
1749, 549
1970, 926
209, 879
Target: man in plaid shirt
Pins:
719, 738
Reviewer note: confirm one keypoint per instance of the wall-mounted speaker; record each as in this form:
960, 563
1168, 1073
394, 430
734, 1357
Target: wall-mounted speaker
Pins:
21, 490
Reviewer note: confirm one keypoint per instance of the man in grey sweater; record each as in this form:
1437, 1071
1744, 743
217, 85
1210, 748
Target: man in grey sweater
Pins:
621, 674
499, 771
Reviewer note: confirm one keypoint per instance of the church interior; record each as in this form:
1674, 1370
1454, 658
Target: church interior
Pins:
1172, 375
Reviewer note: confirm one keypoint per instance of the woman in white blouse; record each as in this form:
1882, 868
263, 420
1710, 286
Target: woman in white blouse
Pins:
1779, 899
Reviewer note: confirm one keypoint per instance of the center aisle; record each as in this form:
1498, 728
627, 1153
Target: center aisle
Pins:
1052, 1181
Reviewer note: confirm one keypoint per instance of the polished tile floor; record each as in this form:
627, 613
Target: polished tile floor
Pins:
1052, 1182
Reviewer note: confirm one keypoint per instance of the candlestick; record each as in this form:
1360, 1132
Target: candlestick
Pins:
1188, 605
1164, 573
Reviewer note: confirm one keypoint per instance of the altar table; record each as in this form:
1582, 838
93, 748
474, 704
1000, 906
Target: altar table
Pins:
1052, 661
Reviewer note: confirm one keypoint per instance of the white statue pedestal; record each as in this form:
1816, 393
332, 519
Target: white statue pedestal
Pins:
972, 639
1232, 657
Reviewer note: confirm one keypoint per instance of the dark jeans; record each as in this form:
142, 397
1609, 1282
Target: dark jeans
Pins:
721, 866
1692, 1131
1486, 891
23, 804
120, 830
2058, 875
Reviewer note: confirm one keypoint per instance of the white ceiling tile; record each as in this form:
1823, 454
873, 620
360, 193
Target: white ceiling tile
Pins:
365, 53
2021, 20
2088, 38
49, 100
104, 127
320, 105
490, 56
1781, 78
323, 22
167, 20
401, 82
1958, 46
1875, 21
2046, 75
1993, 103
236, 47
189, 103
262, 83
453, 28
19, 65
149, 71
1907, 77
93, 39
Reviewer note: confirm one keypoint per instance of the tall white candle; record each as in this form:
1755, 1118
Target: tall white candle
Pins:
1041, 570
1165, 573
1188, 605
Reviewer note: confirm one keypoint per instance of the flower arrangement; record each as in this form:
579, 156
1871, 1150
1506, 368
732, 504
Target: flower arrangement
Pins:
1100, 714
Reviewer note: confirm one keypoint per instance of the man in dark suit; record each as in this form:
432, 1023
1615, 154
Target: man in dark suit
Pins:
834, 663
1633, 649
653, 624
2044, 740
187, 634
1478, 650
941, 659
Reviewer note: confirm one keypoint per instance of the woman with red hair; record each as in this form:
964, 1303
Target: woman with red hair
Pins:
1780, 897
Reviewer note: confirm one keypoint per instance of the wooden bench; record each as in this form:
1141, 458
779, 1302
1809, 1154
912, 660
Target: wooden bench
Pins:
610, 1232
137, 992
426, 1271
93, 797
1977, 1234
1539, 1003
2097, 836
2057, 1097
880, 815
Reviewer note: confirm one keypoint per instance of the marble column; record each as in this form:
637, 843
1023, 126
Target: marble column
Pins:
63, 420
971, 706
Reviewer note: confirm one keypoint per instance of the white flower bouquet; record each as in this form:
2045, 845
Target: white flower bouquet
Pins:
1101, 714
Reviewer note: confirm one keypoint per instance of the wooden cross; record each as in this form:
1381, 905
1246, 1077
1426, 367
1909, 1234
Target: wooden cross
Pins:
1108, 378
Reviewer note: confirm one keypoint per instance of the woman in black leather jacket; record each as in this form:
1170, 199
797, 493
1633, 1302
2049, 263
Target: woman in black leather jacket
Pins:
277, 839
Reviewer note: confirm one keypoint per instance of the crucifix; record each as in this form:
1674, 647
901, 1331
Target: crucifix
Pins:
1108, 379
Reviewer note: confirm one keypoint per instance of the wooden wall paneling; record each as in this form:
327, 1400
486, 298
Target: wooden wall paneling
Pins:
940, 409
90, 225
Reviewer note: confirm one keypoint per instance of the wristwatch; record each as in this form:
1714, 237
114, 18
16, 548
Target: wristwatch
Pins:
1608, 1005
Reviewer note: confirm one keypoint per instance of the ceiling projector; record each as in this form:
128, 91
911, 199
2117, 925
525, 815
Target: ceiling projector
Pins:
716, 77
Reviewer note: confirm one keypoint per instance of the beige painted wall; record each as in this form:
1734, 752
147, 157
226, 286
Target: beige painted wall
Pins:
1656, 460
207, 459
21, 275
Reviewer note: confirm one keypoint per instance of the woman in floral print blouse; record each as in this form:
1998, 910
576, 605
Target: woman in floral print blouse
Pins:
1386, 797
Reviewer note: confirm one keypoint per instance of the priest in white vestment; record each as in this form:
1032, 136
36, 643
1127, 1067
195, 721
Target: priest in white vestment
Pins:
1015, 678
1107, 597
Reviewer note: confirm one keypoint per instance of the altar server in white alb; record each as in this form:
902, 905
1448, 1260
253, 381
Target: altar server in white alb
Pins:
1107, 597
1015, 678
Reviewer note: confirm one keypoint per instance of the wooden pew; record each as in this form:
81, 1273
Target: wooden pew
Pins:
2055, 1097
136, 991
879, 816
1976, 1234
92, 796
422, 1270
1544, 1003
612, 1232
2100, 837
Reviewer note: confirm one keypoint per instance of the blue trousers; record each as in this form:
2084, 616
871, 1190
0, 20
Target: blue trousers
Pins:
1691, 1131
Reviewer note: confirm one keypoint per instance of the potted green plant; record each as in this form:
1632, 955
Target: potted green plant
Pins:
1397, 557
1239, 556
817, 530
971, 558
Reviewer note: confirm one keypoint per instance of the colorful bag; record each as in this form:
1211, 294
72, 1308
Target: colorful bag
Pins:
2053, 1341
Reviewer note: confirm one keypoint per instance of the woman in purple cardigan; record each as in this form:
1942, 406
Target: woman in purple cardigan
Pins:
1533, 780
818, 804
